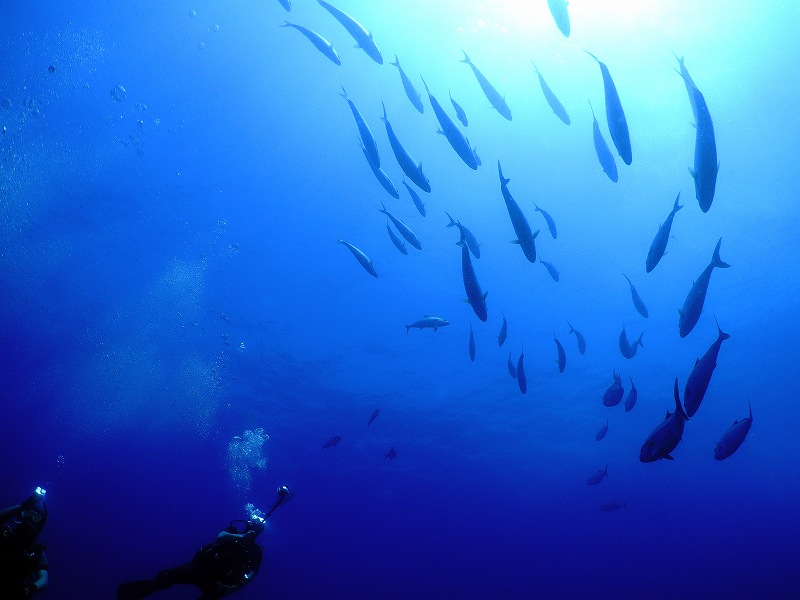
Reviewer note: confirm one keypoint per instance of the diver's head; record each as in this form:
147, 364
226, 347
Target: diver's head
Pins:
23, 529
255, 524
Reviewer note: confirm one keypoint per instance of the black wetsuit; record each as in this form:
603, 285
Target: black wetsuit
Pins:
18, 568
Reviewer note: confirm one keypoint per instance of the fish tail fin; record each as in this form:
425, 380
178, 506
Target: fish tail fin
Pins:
678, 58
631, 378
384, 118
396, 62
678, 407
716, 260
534, 67
571, 328
408, 328
639, 341
503, 180
425, 84
606, 470
592, 108
536, 233
344, 94
339, 241
383, 210
592, 55
465, 59
677, 206
721, 335
452, 220
286, 24
626, 277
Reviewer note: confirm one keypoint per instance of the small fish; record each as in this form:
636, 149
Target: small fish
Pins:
411, 167
367, 139
579, 337
411, 91
633, 396
332, 442
458, 141
551, 269
360, 34
562, 356
391, 454
659, 246
525, 239
522, 380
320, 43
428, 322
613, 505
380, 175
415, 198
475, 296
554, 103
373, 416
700, 377
627, 349
512, 368
733, 437
287, 4
471, 344
494, 97
693, 305
362, 258
398, 243
598, 477
558, 8
602, 433
551, 224
613, 394
404, 229
501, 337
462, 116
602, 150
469, 237
666, 436
637, 300
615, 116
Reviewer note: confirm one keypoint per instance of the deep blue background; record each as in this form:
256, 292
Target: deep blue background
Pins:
123, 244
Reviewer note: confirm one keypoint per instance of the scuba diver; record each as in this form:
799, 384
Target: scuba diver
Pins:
23, 564
219, 568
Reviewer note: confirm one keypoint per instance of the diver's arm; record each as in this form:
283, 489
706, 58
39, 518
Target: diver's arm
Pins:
9, 512
236, 537
40, 582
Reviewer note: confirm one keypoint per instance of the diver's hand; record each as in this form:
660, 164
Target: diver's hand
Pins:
24, 592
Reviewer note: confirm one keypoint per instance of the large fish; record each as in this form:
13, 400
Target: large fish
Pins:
659, 245
415, 198
501, 337
693, 305
380, 175
637, 300
525, 238
554, 103
633, 396
617, 124
428, 322
700, 377
706, 165
551, 270
373, 416
522, 379
320, 43
471, 344
666, 436
462, 116
472, 241
602, 150
404, 229
562, 356
497, 101
360, 34
598, 477
398, 243
362, 258
512, 368
452, 133
733, 438
551, 224
410, 167
629, 350
411, 91
475, 297
558, 8
579, 337
613, 505
367, 139
602, 433
613, 394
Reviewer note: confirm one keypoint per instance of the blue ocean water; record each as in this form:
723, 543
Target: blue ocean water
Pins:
171, 192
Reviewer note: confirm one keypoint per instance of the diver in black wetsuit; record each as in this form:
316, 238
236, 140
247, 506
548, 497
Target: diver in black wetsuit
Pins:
23, 564
219, 568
